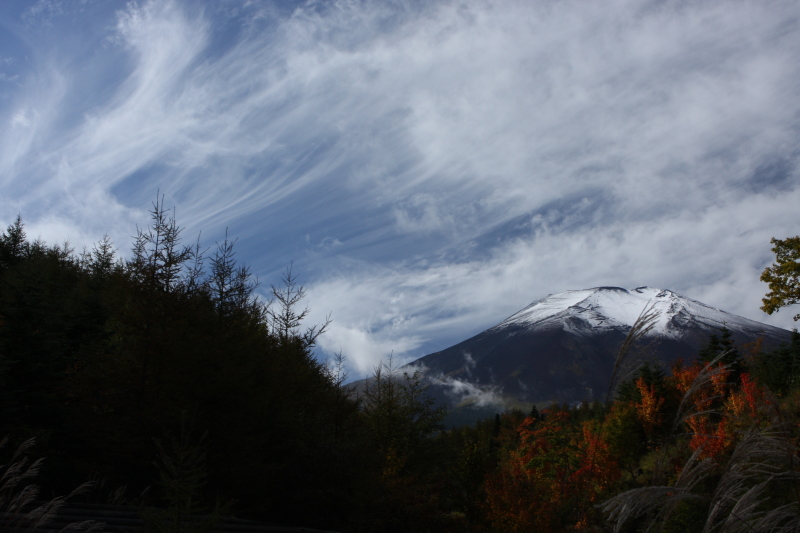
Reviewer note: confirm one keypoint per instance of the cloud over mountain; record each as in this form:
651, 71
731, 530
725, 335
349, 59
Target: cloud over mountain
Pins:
566, 347
426, 165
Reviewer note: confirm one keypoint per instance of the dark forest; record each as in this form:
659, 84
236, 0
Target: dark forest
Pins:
169, 386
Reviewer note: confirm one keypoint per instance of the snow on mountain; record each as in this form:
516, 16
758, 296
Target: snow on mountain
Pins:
563, 348
593, 310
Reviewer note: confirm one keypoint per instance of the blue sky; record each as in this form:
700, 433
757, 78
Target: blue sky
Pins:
429, 167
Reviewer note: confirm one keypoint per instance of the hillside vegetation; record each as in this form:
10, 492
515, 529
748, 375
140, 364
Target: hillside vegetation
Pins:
165, 380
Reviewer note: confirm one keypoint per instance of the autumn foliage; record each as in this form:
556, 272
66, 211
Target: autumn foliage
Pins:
561, 467
650, 407
564, 465
156, 372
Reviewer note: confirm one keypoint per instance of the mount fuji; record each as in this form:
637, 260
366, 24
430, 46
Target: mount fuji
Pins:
562, 348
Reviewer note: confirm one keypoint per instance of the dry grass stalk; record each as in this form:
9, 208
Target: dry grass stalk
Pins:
657, 503
704, 379
762, 457
644, 323
18, 495
739, 501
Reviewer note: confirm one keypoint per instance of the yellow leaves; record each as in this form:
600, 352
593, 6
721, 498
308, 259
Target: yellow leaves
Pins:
783, 276
684, 377
393, 464
720, 380
649, 409
736, 404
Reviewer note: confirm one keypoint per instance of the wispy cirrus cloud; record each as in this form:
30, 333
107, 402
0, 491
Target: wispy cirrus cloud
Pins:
468, 295
430, 167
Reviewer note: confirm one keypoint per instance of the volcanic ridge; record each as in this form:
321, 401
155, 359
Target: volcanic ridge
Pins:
562, 348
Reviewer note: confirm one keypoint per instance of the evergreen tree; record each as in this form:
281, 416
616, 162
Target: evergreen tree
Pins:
780, 369
653, 376
100, 359
398, 410
231, 285
101, 261
13, 244
717, 346
722, 349
158, 257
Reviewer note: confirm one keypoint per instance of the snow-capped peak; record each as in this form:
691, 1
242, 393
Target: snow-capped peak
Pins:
614, 307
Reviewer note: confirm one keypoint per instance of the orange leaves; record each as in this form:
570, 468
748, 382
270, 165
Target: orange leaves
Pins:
737, 405
686, 381
720, 406
752, 393
684, 377
598, 468
519, 499
708, 430
744, 403
720, 380
560, 470
649, 409
713, 438
555, 477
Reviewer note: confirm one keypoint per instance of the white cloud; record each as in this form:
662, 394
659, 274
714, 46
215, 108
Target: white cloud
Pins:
474, 394
715, 256
20, 118
434, 167
43, 12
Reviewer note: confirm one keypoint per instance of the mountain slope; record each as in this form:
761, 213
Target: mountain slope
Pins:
562, 347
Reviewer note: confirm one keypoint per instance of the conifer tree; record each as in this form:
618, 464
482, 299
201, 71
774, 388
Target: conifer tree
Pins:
13, 244
101, 260
231, 285
780, 369
158, 257
285, 318
723, 350
398, 409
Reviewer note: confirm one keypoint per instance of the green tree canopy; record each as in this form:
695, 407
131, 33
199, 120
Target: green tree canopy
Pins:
783, 276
